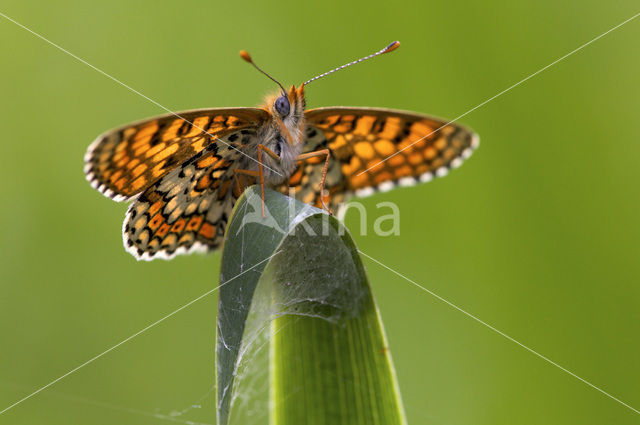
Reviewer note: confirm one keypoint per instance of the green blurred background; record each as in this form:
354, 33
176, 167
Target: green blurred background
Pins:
537, 234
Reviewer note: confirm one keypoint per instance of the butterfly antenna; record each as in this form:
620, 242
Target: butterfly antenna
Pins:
391, 47
247, 57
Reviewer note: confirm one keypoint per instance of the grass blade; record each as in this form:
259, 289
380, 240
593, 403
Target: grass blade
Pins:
299, 336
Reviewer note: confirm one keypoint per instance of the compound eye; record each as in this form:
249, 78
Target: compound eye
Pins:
282, 105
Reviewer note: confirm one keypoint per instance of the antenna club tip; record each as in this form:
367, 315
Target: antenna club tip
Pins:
246, 56
391, 47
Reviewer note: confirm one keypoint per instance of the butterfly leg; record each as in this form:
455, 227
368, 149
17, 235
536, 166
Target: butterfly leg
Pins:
325, 168
239, 186
259, 173
273, 155
251, 173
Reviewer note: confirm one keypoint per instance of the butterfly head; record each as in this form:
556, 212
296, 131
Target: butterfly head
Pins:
287, 111
282, 105
289, 104
287, 108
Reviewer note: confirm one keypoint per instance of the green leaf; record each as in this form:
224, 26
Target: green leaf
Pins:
300, 339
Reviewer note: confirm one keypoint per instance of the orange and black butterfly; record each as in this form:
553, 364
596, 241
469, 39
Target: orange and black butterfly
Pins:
184, 171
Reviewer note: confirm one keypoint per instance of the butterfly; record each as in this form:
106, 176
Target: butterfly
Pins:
184, 171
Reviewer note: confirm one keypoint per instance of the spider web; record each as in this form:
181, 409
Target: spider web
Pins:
295, 263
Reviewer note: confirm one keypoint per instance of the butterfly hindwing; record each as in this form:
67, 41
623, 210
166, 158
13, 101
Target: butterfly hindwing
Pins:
378, 149
122, 163
187, 209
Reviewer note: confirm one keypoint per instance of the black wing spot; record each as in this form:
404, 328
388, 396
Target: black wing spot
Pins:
184, 128
171, 162
379, 124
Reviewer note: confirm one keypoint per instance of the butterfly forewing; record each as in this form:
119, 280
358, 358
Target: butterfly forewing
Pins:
377, 149
124, 162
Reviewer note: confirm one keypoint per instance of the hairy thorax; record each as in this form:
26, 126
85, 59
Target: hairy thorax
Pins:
285, 137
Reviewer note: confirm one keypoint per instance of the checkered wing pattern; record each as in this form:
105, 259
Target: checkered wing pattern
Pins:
179, 174
378, 149
124, 162
188, 209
